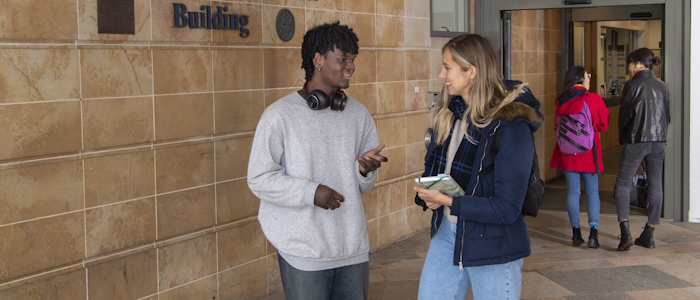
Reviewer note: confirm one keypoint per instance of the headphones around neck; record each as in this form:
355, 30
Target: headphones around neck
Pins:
318, 100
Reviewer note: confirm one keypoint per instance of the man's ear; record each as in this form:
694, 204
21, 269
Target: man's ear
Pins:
318, 60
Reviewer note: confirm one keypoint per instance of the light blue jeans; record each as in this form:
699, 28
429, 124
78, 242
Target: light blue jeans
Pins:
441, 279
343, 283
573, 183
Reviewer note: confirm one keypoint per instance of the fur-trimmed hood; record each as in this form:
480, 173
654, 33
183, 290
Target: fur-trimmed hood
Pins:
525, 107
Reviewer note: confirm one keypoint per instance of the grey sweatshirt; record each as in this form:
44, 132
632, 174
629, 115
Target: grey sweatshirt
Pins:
294, 150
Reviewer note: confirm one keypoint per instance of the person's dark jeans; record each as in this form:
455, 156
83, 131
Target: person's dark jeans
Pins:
343, 283
652, 154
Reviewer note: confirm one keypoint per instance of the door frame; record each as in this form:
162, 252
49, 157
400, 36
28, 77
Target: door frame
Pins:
677, 55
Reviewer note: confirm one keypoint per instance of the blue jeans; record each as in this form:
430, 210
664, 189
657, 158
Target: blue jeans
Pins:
573, 184
652, 154
344, 283
441, 279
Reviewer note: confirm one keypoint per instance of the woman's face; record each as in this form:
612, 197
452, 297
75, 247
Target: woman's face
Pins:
635, 67
456, 79
586, 80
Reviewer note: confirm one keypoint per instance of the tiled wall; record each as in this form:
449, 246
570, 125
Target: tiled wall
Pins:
536, 59
123, 157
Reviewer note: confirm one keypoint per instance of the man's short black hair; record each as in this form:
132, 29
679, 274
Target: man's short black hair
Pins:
322, 39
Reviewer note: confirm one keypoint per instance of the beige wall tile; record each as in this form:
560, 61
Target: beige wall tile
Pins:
235, 201
61, 287
435, 63
415, 34
184, 167
393, 228
39, 191
115, 73
269, 28
363, 26
415, 157
517, 63
41, 244
359, 6
182, 71
366, 94
391, 66
117, 122
240, 245
238, 69
120, 226
200, 289
249, 34
273, 95
389, 31
369, 203
54, 74
390, 7
36, 19
552, 40
517, 41
238, 112
319, 17
244, 282
529, 39
185, 212
130, 277
365, 67
552, 18
416, 125
417, 220
373, 232
415, 95
283, 68
395, 167
186, 261
182, 116
288, 3
417, 8
417, 65
109, 179
232, 158
39, 129
392, 131
87, 21
390, 97
163, 24
324, 4
391, 198
274, 280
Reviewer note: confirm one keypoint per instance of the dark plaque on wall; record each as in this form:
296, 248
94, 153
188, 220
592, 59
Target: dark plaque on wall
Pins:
285, 25
115, 16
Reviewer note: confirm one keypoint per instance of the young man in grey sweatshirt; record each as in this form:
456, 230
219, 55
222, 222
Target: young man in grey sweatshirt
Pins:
313, 153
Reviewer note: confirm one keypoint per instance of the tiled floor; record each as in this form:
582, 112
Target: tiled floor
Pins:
556, 270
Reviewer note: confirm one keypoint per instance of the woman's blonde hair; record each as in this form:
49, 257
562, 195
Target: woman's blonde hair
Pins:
487, 92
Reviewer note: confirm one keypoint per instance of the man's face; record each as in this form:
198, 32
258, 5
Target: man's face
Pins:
336, 68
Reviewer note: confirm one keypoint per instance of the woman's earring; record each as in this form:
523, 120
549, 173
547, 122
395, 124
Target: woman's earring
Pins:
319, 68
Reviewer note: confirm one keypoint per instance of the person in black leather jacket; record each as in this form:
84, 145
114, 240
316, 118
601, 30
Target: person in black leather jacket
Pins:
643, 124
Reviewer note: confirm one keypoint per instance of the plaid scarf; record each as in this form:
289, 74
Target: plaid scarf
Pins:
464, 158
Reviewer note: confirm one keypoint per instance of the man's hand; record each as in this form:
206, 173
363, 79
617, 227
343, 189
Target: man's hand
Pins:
371, 160
327, 198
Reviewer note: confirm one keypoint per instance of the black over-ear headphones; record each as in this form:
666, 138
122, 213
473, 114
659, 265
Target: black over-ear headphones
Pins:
318, 100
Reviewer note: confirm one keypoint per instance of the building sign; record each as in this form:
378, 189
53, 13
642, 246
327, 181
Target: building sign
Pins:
206, 19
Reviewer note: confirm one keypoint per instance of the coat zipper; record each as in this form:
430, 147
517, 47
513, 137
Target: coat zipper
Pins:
464, 223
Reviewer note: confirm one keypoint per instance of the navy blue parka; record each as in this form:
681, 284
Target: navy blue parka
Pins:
490, 226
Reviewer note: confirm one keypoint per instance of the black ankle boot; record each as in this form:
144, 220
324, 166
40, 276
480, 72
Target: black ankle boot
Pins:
625, 237
577, 237
593, 238
647, 238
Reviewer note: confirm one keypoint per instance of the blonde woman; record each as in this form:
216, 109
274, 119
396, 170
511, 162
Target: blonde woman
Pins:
479, 240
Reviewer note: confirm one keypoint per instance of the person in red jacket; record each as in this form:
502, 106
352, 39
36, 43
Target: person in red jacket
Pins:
587, 165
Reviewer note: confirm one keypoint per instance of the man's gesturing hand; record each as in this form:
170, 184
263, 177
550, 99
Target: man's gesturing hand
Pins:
327, 198
371, 160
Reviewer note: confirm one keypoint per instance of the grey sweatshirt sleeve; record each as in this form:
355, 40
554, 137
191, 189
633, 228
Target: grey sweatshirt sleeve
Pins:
267, 178
369, 142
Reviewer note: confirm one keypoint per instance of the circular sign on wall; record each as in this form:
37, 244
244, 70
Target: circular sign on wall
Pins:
285, 25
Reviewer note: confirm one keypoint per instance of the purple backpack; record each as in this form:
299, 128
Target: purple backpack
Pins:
575, 133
